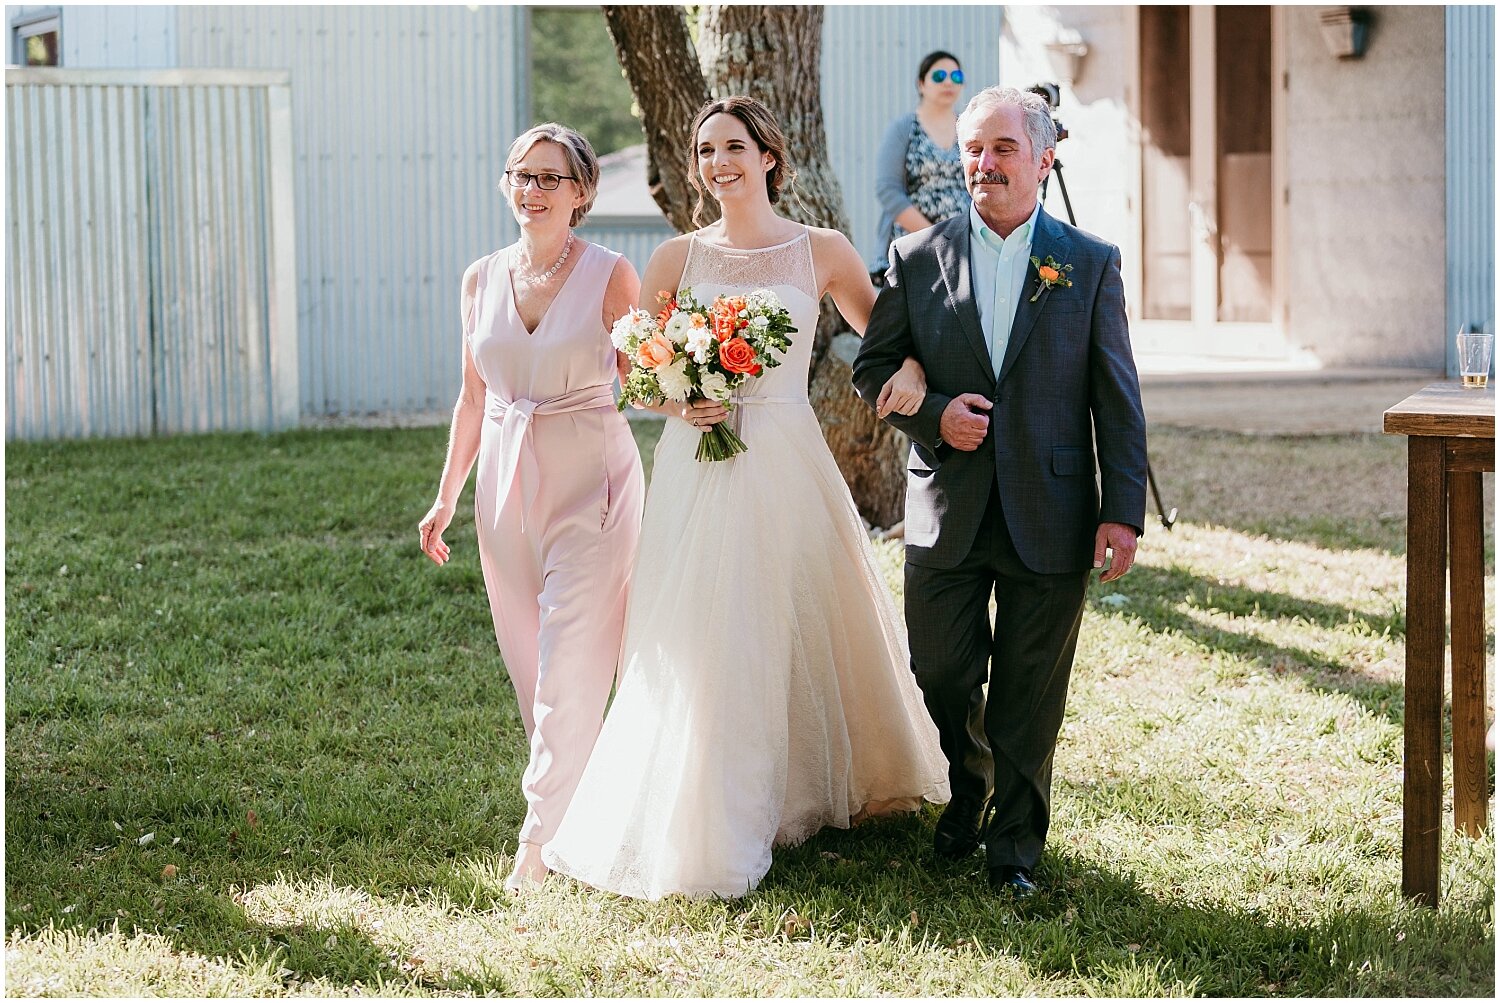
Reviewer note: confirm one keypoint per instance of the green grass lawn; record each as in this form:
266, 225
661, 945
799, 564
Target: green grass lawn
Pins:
257, 745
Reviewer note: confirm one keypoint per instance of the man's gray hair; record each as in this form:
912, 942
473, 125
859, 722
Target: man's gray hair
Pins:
1038, 115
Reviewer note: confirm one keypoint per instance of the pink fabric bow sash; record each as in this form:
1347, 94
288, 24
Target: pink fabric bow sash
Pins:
517, 455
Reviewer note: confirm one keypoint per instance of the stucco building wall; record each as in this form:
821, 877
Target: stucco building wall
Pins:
1365, 174
1099, 153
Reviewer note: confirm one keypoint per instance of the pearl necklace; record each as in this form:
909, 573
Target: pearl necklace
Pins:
567, 249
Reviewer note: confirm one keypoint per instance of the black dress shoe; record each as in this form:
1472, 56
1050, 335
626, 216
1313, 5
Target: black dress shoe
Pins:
959, 829
1013, 879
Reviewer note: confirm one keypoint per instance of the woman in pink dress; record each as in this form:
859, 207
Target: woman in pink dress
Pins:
557, 499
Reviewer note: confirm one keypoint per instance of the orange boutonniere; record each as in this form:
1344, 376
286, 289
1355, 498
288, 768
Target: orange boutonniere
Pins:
1049, 273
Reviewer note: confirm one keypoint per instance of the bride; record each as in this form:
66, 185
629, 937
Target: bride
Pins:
765, 691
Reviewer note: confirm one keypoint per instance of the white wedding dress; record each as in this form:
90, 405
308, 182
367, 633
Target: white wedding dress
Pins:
764, 690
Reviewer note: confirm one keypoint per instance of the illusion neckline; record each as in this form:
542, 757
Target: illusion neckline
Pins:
752, 250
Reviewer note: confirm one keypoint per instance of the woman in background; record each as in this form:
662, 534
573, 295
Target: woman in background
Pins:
919, 176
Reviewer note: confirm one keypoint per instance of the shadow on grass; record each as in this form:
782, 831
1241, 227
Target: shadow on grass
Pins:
1100, 925
1157, 594
1093, 926
86, 885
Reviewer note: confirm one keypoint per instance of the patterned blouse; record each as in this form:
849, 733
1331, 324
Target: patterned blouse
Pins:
934, 178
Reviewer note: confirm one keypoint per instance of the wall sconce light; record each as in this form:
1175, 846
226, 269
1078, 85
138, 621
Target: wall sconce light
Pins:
1345, 30
1066, 54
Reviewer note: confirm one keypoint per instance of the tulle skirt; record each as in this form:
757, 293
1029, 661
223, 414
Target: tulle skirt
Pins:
765, 691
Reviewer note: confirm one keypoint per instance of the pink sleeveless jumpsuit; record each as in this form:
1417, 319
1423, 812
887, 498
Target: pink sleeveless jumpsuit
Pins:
557, 504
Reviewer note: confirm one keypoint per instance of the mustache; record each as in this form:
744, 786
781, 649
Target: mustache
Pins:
988, 178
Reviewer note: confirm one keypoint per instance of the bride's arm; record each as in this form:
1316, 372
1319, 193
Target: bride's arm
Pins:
848, 281
663, 273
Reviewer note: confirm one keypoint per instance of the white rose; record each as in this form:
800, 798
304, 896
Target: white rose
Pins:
700, 341
715, 386
678, 328
673, 380
626, 328
759, 323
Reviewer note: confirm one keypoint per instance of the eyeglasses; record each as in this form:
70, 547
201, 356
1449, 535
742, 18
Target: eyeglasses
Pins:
546, 182
938, 76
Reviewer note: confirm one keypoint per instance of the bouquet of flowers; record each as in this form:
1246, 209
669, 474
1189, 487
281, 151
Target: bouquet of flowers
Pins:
691, 351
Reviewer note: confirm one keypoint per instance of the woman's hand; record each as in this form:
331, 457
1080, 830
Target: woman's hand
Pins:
430, 530
701, 414
904, 392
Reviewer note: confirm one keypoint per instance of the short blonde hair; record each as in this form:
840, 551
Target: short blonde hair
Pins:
583, 163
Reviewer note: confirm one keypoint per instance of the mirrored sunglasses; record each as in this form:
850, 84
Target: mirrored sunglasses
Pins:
938, 76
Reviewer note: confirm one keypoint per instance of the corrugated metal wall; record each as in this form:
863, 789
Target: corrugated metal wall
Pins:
143, 292
636, 239
126, 36
870, 59
1471, 171
401, 117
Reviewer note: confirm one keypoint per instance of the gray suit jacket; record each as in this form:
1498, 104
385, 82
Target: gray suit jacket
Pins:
1067, 400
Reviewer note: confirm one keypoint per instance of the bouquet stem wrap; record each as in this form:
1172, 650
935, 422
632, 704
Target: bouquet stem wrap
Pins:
720, 443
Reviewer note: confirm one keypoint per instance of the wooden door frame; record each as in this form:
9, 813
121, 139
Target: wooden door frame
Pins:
1254, 340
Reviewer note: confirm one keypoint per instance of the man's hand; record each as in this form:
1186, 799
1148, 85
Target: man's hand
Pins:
965, 421
1119, 540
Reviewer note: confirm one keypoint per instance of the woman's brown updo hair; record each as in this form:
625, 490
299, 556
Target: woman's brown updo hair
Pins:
768, 137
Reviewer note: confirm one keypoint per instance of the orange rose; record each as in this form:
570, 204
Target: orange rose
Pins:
656, 352
723, 325
1048, 273
737, 356
666, 311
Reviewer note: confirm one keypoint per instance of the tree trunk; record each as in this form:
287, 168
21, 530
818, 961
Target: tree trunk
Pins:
772, 54
661, 67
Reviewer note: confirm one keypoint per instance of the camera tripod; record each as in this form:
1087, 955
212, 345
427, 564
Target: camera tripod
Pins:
1167, 518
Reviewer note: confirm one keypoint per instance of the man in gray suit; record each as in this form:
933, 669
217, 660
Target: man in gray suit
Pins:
1020, 322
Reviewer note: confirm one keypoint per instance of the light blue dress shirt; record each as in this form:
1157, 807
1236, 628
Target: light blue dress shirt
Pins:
998, 269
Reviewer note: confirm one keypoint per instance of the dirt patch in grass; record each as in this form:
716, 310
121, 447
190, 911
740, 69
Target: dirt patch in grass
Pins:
1332, 490
1306, 405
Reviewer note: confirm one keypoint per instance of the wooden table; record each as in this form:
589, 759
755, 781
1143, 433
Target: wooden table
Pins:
1450, 441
